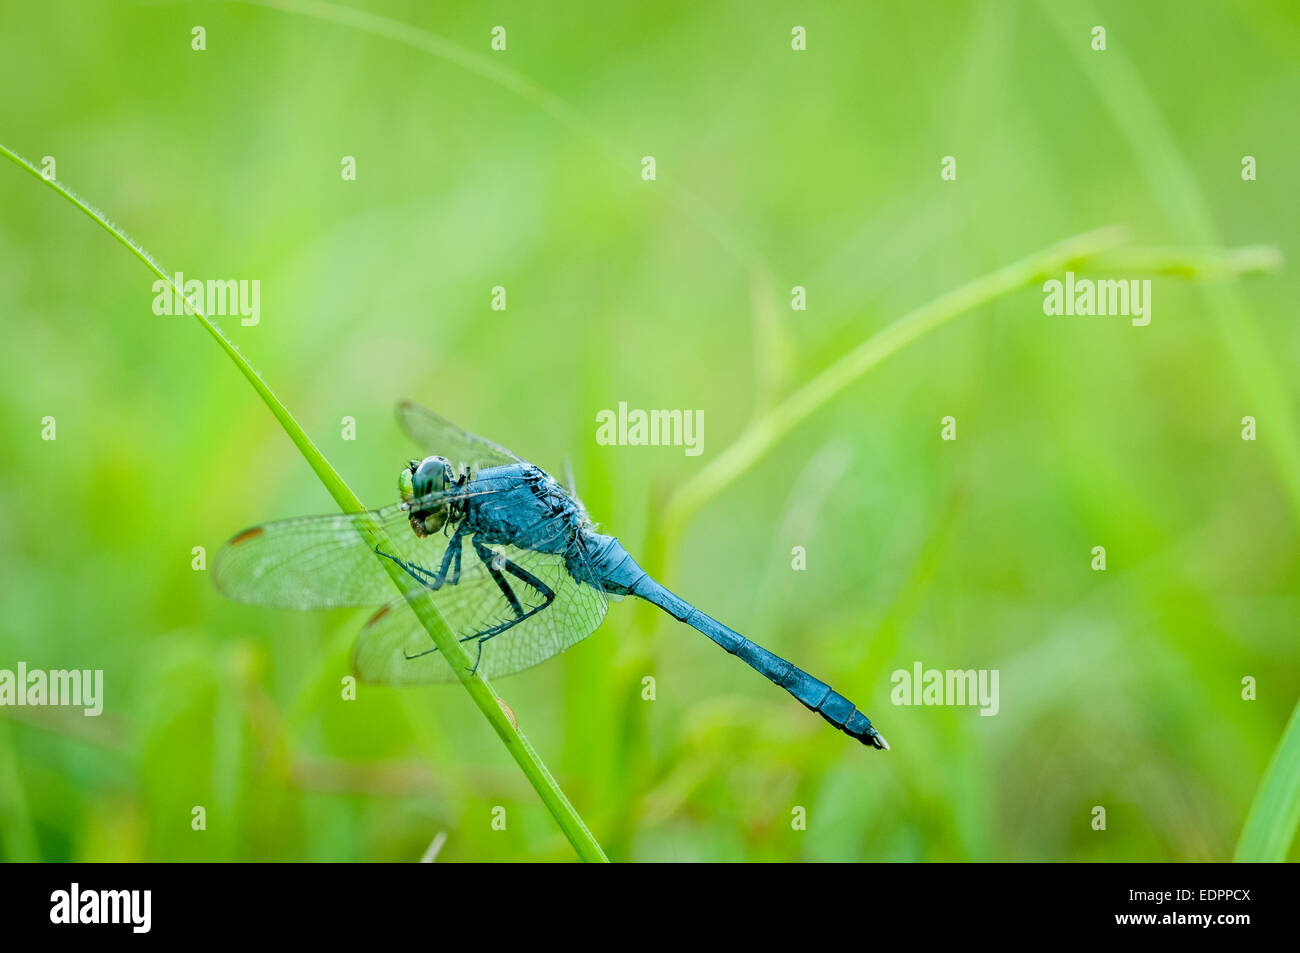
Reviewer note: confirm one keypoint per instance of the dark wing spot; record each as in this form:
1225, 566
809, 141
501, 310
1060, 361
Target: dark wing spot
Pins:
247, 534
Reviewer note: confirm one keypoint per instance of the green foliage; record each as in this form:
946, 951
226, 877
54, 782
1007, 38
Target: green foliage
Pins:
1271, 825
819, 168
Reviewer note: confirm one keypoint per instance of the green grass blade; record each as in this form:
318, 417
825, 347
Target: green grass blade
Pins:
769, 428
1271, 824
18, 842
1140, 118
1090, 251
479, 690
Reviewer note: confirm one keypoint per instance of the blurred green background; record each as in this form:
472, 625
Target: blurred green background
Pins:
775, 168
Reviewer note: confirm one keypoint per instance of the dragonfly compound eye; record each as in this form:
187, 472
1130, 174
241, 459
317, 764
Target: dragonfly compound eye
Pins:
431, 476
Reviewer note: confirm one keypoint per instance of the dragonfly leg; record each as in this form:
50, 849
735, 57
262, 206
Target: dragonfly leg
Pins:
478, 658
423, 576
455, 544
495, 563
452, 556
465, 638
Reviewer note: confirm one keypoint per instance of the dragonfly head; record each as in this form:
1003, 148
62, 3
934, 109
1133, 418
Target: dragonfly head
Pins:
420, 479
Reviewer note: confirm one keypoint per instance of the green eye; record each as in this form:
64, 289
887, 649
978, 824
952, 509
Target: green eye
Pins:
431, 476
406, 486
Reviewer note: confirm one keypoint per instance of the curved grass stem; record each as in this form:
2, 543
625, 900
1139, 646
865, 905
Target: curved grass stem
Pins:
479, 690
1089, 251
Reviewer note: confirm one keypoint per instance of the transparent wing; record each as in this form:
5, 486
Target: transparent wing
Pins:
434, 434
320, 562
395, 649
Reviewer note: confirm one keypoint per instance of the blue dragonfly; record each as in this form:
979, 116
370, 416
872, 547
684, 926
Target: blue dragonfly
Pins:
507, 555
